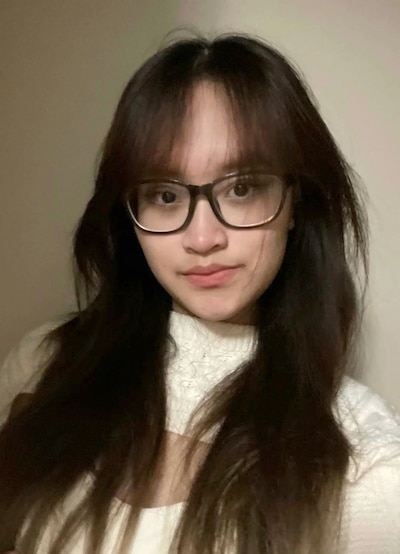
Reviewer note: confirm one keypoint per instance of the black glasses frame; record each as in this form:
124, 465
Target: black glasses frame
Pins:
207, 191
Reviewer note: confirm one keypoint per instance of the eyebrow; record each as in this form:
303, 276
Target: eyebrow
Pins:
230, 166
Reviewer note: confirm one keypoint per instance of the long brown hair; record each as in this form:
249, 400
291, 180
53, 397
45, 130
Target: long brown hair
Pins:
273, 477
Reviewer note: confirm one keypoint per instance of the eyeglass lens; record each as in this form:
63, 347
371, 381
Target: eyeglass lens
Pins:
241, 200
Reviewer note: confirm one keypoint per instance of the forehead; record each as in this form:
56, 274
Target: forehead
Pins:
207, 144
210, 134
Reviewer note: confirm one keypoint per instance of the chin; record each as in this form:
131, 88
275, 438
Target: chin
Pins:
238, 316
216, 317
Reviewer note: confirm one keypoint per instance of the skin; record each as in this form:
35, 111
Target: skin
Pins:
173, 479
206, 150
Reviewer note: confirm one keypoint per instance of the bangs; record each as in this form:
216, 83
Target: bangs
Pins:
156, 108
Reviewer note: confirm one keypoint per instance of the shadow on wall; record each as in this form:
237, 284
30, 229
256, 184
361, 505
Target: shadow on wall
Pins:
64, 69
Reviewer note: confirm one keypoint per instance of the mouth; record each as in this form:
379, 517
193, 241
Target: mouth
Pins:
210, 276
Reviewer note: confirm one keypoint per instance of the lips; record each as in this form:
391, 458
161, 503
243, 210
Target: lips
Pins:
210, 276
207, 270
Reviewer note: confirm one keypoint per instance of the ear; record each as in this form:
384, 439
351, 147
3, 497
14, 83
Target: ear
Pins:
291, 223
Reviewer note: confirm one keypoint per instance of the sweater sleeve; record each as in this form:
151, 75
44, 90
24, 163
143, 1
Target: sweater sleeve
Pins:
23, 367
371, 514
371, 519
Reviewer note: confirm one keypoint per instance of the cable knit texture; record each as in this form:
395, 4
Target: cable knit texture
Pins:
204, 353
201, 356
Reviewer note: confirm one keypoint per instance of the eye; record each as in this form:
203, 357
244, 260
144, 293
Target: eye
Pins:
160, 194
241, 189
166, 197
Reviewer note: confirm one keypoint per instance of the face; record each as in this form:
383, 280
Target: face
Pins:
211, 271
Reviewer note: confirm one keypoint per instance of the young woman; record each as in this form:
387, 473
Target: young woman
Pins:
197, 401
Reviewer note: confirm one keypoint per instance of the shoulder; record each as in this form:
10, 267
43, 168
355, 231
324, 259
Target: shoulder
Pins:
371, 520
23, 367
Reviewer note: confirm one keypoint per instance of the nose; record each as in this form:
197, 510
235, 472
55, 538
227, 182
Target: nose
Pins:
204, 234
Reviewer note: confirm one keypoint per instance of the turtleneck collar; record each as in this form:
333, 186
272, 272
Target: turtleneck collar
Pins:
220, 336
203, 354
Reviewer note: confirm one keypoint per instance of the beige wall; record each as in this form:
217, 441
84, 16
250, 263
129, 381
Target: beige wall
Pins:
62, 68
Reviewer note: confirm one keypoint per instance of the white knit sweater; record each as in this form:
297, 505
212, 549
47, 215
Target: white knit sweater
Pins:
204, 354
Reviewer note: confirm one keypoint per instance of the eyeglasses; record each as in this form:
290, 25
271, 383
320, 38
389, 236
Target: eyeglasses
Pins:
238, 200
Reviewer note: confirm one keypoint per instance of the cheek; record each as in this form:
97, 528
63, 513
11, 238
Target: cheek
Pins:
268, 257
268, 245
158, 253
